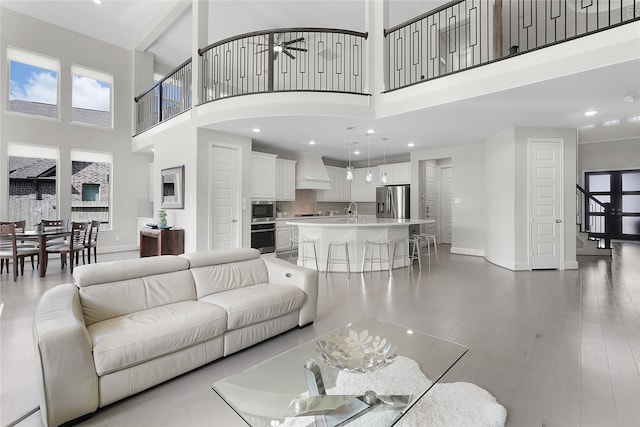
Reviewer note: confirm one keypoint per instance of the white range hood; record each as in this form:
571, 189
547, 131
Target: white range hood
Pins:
311, 173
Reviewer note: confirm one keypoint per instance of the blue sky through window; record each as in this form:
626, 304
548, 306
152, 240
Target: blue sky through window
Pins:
90, 93
32, 84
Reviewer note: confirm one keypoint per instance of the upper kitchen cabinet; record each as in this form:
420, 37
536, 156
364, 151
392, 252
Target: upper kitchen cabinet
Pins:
285, 180
340, 188
263, 176
397, 173
361, 190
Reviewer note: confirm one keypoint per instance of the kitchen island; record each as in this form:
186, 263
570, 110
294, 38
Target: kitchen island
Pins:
356, 232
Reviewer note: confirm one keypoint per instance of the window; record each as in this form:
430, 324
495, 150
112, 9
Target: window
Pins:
91, 186
91, 97
32, 183
33, 83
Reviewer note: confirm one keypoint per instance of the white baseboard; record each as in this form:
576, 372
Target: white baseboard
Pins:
571, 265
122, 248
467, 251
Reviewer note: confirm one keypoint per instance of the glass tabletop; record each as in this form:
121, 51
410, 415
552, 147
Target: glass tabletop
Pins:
369, 372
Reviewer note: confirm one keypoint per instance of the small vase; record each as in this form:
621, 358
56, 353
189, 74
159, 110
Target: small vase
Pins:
162, 219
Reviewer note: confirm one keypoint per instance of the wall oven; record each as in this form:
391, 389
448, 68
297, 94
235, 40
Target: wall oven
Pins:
263, 236
262, 212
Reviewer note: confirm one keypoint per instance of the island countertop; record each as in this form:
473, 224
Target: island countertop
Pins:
360, 222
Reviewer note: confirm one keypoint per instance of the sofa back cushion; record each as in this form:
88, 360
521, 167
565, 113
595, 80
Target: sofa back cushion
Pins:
112, 289
221, 270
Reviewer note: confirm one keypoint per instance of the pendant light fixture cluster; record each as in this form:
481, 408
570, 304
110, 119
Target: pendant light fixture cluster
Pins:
349, 168
383, 175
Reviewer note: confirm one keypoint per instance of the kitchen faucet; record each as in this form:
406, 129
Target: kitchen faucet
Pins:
350, 212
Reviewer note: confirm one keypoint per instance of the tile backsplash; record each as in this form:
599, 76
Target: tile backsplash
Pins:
306, 203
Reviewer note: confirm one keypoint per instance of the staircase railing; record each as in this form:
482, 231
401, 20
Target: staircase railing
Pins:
165, 99
594, 217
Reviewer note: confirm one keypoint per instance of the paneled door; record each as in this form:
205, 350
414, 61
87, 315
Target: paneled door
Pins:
431, 209
545, 177
226, 173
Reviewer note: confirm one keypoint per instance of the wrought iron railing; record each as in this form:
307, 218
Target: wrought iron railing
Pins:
468, 33
594, 217
166, 99
294, 59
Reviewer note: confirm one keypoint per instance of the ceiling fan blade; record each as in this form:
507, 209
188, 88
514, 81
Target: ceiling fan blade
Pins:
301, 49
299, 39
286, 52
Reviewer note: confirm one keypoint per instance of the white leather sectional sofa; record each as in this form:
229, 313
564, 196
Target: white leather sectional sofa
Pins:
125, 326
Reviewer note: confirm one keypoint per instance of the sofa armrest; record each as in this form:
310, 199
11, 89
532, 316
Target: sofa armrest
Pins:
285, 273
66, 375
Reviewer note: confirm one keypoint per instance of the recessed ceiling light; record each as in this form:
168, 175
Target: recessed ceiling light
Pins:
411, 144
591, 113
153, 149
370, 131
97, 1
630, 98
356, 152
312, 143
257, 130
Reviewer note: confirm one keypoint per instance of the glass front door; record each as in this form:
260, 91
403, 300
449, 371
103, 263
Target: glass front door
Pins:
622, 190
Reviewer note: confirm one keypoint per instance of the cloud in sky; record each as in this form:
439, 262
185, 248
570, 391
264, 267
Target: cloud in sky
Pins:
35, 87
90, 94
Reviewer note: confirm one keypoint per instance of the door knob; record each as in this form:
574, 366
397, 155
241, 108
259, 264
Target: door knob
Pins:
558, 221
234, 220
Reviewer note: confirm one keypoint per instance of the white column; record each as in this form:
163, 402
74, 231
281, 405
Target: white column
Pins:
376, 20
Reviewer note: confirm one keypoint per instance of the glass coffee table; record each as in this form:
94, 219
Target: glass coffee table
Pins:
370, 373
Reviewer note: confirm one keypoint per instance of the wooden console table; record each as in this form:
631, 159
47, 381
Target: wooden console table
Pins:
155, 242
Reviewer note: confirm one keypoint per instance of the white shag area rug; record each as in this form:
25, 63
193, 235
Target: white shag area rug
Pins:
445, 405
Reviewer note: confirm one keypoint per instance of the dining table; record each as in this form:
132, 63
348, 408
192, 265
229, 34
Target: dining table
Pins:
41, 236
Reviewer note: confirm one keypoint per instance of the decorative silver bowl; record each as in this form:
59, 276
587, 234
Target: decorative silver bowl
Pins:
350, 351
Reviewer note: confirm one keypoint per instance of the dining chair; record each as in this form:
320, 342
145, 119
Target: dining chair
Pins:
9, 249
20, 227
73, 246
48, 224
91, 241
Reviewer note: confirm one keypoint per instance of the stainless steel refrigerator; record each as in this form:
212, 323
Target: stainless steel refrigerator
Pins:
392, 201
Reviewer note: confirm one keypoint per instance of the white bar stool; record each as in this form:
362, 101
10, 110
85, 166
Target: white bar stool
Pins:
331, 260
296, 244
431, 240
413, 250
370, 247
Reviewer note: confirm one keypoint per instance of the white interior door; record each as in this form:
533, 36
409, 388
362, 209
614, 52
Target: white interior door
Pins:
226, 167
446, 204
545, 175
431, 198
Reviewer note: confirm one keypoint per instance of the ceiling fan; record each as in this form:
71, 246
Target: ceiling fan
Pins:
284, 46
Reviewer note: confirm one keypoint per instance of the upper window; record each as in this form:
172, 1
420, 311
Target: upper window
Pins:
91, 98
33, 83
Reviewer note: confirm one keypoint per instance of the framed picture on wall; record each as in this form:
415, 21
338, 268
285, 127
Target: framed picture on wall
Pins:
172, 188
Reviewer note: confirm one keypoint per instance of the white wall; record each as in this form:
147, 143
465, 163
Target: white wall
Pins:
130, 171
608, 155
468, 186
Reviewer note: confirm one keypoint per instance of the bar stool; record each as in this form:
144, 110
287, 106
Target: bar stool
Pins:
370, 246
431, 239
413, 250
300, 246
331, 260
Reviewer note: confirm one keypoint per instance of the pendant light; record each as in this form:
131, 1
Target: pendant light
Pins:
383, 176
369, 176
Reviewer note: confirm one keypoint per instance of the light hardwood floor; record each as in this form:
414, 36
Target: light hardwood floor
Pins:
556, 348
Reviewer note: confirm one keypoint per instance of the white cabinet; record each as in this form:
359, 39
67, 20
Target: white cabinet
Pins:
263, 176
283, 236
285, 179
361, 190
397, 173
340, 188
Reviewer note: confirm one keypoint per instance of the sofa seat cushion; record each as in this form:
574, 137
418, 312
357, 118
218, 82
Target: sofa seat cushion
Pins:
135, 338
256, 303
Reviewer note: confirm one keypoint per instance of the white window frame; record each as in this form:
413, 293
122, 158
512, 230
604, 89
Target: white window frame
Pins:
101, 76
101, 157
36, 60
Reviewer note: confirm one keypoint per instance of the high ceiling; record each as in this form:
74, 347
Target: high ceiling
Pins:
552, 103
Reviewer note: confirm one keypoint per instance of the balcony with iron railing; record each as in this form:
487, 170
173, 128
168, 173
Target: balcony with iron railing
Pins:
459, 36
